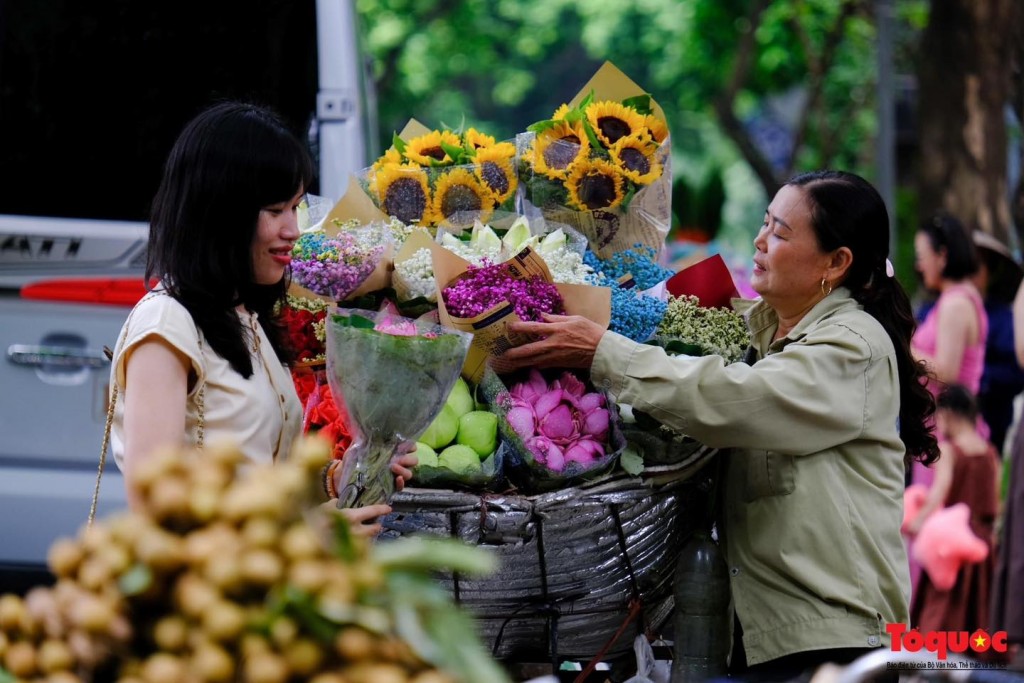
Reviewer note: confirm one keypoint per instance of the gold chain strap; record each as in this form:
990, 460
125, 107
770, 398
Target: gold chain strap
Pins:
200, 422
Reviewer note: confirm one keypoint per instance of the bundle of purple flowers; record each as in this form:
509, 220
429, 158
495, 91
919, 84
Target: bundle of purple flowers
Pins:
333, 266
482, 288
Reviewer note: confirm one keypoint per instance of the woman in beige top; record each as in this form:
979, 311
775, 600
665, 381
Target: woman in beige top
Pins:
201, 357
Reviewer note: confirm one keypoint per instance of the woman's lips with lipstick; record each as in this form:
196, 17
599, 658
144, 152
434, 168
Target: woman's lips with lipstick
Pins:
282, 256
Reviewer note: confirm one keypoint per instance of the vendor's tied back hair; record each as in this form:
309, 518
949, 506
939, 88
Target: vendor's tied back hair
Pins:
229, 162
847, 211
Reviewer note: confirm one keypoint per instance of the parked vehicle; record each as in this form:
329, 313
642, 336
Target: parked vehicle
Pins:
86, 121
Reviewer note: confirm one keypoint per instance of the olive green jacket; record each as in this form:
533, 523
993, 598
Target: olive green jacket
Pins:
814, 480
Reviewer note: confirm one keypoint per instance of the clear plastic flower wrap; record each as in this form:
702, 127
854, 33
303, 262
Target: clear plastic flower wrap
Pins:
392, 375
559, 429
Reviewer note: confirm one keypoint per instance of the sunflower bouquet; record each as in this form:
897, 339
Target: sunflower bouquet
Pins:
444, 177
601, 164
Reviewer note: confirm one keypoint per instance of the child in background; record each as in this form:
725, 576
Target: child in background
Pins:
967, 472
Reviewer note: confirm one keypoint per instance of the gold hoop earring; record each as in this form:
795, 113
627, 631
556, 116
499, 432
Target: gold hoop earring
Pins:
824, 283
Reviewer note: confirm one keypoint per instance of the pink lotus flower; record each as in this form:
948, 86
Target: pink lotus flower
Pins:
559, 423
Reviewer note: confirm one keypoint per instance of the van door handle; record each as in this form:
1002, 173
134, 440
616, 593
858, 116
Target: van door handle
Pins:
42, 356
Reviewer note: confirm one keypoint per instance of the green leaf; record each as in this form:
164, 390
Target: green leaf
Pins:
627, 199
136, 580
586, 101
595, 142
681, 348
457, 154
344, 542
631, 461
431, 554
398, 142
542, 126
6, 676
302, 606
642, 103
574, 115
357, 321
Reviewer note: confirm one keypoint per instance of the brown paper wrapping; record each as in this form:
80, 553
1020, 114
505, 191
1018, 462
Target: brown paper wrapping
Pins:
491, 336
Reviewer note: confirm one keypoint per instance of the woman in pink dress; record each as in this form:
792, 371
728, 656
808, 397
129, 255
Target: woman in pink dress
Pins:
951, 339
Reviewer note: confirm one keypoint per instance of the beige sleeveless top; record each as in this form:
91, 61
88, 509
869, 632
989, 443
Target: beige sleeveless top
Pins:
261, 415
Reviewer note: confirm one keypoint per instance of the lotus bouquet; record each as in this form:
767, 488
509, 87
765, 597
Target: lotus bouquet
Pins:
392, 376
562, 428
334, 266
443, 177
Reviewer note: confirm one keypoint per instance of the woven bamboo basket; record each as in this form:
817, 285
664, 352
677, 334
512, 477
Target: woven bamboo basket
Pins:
572, 561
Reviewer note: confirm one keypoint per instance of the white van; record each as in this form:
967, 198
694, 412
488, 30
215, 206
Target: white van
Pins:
92, 96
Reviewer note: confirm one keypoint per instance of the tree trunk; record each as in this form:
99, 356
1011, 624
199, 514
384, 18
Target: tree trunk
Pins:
964, 79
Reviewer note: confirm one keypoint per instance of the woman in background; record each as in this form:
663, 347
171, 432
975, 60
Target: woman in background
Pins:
967, 472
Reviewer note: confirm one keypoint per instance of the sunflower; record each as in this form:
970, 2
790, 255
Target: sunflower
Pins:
475, 139
495, 171
506, 149
404, 193
561, 112
594, 184
612, 120
392, 156
426, 150
657, 128
635, 158
457, 191
557, 148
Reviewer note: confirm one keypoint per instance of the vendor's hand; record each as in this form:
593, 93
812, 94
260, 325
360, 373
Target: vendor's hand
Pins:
563, 341
403, 462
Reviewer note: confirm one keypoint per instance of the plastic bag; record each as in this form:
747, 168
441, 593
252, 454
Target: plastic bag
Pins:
648, 669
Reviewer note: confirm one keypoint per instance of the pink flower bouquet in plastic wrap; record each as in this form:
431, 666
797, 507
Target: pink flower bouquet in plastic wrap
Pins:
392, 374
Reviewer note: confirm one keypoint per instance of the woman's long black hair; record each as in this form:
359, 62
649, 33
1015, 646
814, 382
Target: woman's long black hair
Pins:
847, 211
228, 163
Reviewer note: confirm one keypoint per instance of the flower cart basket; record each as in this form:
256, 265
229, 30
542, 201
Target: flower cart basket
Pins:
571, 562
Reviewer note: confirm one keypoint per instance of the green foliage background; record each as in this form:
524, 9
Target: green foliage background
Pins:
503, 64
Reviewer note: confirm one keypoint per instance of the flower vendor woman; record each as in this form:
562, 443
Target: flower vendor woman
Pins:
201, 358
823, 419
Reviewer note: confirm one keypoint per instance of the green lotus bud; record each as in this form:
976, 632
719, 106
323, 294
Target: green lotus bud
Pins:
442, 430
478, 430
425, 455
459, 458
460, 399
